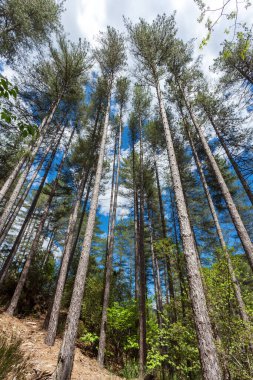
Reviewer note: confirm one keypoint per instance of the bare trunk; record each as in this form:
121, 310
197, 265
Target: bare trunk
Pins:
49, 248
68, 251
232, 160
238, 223
208, 355
136, 230
142, 298
167, 258
236, 286
14, 301
54, 316
110, 245
34, 150
156, 276
15, 210
20, 235
66, 355
11, 178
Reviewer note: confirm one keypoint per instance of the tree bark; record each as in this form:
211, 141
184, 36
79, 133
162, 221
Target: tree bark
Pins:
231, 159
15, 246
236, 285
68, 249
15, 210
142, 298
34, 150
208, 355
110, 245
15, 298
66, 355
167, 258
235, 216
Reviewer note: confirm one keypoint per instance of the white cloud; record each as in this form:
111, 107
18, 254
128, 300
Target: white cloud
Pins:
86, 18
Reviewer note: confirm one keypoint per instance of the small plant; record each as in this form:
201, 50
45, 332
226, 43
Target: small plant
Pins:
130, 370
12, 361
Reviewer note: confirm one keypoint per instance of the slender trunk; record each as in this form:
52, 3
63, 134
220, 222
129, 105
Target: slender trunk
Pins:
14, 174
136, 230
34, 150
21, 200
54, 316
156, 276
167, 257
236, 286
49, 248
179, 265
68, 250
142, 298
66, 355
110, 245
238, 223
81, 219
14, 301
232, 160
208, 355
19, 237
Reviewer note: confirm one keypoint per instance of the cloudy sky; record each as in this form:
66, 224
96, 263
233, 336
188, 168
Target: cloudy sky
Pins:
85, 18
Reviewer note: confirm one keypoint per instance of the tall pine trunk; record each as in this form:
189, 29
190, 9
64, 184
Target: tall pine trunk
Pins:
167, 258
231, 159
142, 268
33, 151
20, 235
236, 286
208, 355
55, 311
15, 298
110, 245
66, 355
68, 253
235, 216
15, 210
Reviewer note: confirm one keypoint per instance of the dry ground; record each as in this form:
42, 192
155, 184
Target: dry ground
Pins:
41, 358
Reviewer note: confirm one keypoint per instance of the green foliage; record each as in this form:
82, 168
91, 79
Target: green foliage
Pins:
180, 348
27, 23
7, 91
235, 336
130, 369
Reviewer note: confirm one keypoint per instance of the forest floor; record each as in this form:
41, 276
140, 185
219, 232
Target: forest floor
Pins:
41, 358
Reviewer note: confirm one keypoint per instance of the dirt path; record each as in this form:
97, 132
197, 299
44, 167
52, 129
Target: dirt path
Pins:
42, 359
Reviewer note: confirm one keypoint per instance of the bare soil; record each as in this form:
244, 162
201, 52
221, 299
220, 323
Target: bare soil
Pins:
41, 358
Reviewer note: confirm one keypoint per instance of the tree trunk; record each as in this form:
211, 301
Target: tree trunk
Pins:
68, 250
15, 298
167, 258
15, 246
208, 355
16, 209
142, 298
238, 223
66, 355
34, 150
156, 276
49, 248
54, 316
236, 286
110, 245
232, 160
13, 175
